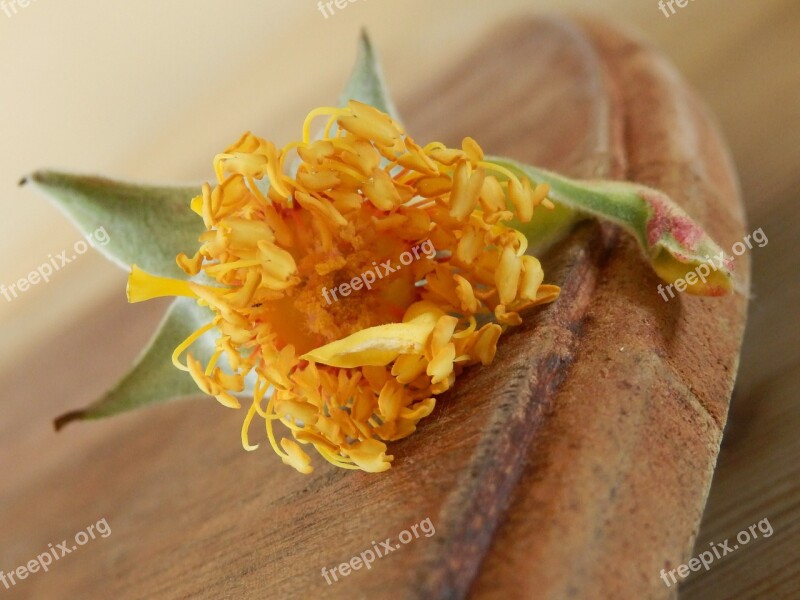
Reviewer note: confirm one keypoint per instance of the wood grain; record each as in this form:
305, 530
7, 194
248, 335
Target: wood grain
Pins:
575, 466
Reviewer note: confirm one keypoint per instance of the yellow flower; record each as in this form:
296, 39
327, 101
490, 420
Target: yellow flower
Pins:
348, 374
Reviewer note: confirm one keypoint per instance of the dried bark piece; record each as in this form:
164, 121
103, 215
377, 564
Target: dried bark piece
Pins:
620, 469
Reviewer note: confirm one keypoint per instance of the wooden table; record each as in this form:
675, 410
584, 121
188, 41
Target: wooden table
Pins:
178, 531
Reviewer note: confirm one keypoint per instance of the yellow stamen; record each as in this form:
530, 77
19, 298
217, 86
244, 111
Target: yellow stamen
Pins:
317, 112
186, 343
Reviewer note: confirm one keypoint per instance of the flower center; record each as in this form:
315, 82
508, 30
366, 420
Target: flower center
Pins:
339, 295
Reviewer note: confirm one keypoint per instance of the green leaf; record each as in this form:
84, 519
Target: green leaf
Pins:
672, 241
154, 378
145, 225
366, 83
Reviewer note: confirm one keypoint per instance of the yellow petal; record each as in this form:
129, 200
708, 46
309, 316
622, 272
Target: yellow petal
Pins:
310, 437
522, 198
472, 150
492, 197
408, 367
532, 276
370, 455
446, 156
144, 286
381, 191
466, 295
442, 332
376, 346
428, 187
486, 344
390, 400
295, 457
440, 368
507, 318
299, 411
507, 275
466, 189
315, 152
469, 245
316, 182
190, 266
369, 123
420, 410
417, 160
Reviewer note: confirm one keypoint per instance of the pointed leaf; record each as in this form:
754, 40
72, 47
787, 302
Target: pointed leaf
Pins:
674, 243
154, 378
366, 83
147, 225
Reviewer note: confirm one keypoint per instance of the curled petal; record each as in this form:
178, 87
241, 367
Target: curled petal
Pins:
376, 346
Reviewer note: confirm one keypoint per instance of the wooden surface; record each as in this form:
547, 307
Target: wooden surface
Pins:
223, 527
738, 54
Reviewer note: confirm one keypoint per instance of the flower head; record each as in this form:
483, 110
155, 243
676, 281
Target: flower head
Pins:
348, 372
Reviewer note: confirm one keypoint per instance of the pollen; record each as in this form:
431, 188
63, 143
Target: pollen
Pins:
346, 378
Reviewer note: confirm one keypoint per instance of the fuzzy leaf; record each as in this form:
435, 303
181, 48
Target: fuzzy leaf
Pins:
147, 225
366, 83
154, 378
674, 243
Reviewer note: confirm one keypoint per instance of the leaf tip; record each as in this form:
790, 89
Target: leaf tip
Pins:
61, 421
363, 37
36, 177
41, 177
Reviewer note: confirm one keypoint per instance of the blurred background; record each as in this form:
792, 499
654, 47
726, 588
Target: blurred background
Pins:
151, 90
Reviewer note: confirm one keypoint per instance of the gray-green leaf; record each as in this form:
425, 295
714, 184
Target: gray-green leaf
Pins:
154, 378
146, 225
366, 83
